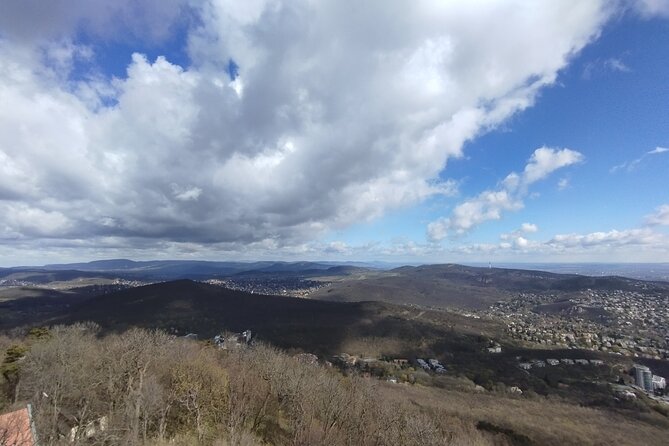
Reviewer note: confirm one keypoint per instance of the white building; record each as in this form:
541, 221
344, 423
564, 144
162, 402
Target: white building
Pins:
659, 383
423, 364
643, 377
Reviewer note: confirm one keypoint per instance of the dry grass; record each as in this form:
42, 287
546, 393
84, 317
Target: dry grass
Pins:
544, 421
373, 346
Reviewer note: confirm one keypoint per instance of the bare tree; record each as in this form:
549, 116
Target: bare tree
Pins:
199, 386
59, 377
142, 386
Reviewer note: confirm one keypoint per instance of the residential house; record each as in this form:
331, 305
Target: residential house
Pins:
17, 428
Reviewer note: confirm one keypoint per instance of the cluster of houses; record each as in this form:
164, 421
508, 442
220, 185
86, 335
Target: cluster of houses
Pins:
235, 340
644, 378
538, 363
275, 286
431, 364
226, 341
348, 361
624, 322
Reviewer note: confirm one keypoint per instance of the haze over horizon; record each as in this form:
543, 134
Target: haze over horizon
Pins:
406, 132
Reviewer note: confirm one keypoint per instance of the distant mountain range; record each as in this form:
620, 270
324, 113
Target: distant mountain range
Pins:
159, 270
196, 269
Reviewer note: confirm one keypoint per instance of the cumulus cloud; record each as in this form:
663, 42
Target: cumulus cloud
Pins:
517, 239
626, 245
611, 238
529, 227
659, 217
488, 205
635, 244
491, 204
629, 166
638, 244
23, 221
335, 117
525, 228
545, 161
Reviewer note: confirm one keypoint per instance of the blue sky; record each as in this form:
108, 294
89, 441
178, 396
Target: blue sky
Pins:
610, 104
272, 130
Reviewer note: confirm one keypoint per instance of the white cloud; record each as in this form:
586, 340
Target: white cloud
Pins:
186, 193
610, 238
491, 204
23, 221
337, 247
521, 242
517, 239
639, 244
545, 160
563, 184
616, 64
660, 216
629, 166
488, 205
341, 116
651, 8
599, 67
529, 228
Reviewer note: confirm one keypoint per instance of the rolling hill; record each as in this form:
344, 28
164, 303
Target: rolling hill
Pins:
450, 285
325, 327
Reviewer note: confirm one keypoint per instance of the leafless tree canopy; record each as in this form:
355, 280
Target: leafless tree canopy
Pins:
146, 387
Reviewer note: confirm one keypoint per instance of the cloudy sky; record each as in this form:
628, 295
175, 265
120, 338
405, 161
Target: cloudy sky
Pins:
405, 131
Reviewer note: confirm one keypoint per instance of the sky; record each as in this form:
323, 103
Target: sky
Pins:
403, 131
